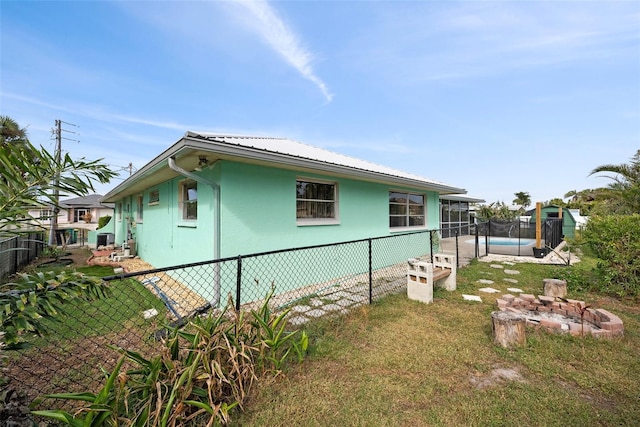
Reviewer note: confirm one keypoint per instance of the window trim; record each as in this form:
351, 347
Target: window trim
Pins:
182, 204
336, 204
76, 214
139, 208
407, 227
46, 214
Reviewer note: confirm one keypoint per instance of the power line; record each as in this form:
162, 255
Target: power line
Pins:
129, 167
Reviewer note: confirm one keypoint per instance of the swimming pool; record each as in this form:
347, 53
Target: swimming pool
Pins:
504, 241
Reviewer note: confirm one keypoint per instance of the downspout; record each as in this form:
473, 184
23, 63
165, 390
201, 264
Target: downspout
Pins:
216, 222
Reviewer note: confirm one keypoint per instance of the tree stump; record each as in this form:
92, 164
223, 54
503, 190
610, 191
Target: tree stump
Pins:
508, 329
555, 288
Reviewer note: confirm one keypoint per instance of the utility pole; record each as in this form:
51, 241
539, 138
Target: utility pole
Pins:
56, 182
57, 131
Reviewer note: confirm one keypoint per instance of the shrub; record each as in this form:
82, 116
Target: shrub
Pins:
204, 371
615, 240
103, 220
53, 252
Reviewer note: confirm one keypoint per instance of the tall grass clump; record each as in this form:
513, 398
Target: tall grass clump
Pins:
205, 370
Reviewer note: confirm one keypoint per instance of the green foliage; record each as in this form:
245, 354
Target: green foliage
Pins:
103, 220
578, 280
205, 371
623, 195
523, 198
30, 299
496, 210
31, 176
615, 240
53, 252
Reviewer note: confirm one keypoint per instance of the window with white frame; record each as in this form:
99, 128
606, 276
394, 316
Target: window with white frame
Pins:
140, 206
119, 211
316, 201
79, 214
46, 214
189, 199
406, 209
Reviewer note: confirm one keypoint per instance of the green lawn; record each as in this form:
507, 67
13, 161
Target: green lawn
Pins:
120, 310
78, 341
401, 362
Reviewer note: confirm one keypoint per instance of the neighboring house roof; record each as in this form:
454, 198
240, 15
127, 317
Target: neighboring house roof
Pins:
90, 201
279, 152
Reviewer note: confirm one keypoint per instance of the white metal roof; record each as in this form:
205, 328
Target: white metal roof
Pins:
271, 151
300, 150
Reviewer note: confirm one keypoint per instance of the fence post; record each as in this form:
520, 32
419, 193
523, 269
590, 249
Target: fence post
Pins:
477, 236
15, 254
519, 238
457, 249
370, 272
431, 245
40, 248
487, 233
238, 282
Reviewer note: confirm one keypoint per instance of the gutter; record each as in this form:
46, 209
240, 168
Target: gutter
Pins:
216, 222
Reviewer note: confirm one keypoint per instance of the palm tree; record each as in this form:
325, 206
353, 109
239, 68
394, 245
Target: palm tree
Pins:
624, 191
485, 212
523, 199
11, 132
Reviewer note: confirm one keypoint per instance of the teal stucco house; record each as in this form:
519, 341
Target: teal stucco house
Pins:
211, 196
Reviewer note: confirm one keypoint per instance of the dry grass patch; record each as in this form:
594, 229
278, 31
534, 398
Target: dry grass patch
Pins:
401, 362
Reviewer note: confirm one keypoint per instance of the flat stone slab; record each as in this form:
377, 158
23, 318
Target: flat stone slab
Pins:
496, 266
332, 307
511, 272
359, 289
471, 298
515, 290
297, 320
345, 303
360, 299
315, 313
508, 263
300, 309
489, 290
339, 296
510, 280
316, 302
486, 281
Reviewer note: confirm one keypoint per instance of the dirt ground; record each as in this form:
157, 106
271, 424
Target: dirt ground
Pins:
79, 256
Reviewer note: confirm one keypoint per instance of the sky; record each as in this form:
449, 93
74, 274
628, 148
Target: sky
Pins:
496, 97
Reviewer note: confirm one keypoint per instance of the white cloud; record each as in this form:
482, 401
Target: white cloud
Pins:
275, 33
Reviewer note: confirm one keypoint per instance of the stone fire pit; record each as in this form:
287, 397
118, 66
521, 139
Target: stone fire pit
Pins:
562, 316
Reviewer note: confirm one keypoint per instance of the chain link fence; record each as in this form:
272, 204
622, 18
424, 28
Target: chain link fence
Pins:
312, 282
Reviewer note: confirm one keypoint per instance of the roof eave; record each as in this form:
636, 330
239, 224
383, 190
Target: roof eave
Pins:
192, 142
299, 162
